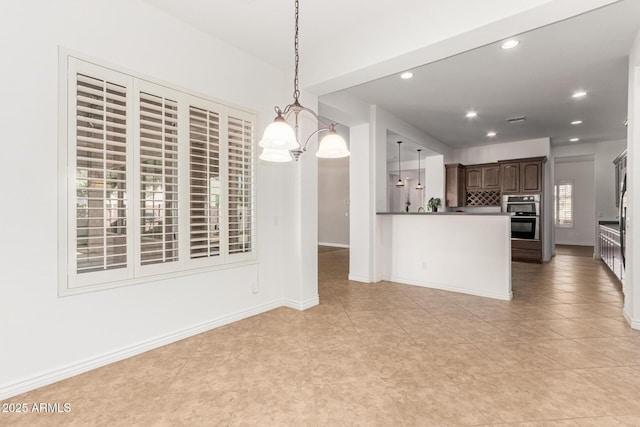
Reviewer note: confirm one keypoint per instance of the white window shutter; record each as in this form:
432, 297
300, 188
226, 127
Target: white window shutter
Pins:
205, 184
241, 184
158, 191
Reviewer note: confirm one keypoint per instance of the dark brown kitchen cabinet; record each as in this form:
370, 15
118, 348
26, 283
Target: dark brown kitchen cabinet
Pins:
522, 175
482, 177
510, 174
473, 178
491, 177
454, 185
531, 177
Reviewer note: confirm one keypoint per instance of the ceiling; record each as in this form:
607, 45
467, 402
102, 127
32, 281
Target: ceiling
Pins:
536, 79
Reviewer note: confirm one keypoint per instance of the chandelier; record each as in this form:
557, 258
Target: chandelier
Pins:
280, 141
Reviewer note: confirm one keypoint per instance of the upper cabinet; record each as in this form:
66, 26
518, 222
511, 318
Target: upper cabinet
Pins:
482, 185
491, 177
522, 175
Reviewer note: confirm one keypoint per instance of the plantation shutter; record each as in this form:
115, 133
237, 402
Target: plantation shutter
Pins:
564, 202
204, 184
241, 184
158, 179
101, 174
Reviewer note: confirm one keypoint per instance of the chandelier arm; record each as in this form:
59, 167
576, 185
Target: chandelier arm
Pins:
304, 147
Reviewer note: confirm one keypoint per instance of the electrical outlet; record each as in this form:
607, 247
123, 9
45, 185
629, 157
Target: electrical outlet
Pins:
255, 287
424, 265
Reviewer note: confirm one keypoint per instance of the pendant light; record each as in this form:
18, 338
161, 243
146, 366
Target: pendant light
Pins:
400, 183
419, 186
280, 142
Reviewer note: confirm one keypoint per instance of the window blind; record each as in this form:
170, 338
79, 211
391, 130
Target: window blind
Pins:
205, 186
101, 175
241, 194
158, 179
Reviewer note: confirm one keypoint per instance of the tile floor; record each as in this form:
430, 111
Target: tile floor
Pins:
559, 354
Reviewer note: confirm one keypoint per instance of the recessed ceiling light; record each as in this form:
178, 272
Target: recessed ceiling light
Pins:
574, 139
471, 114
576, 122
510, 44
579, 94
491, 134
406, 75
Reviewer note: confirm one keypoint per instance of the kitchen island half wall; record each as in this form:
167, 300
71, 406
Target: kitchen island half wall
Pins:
458, 252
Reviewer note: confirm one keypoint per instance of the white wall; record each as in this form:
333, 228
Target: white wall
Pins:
333, 198
580, 172
460, 253
505, 151
632, 274
45, 337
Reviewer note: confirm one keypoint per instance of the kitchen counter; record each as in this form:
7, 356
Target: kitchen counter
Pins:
447, 213
614, 225
459, 252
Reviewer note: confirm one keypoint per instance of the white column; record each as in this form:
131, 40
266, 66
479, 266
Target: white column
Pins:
361, 204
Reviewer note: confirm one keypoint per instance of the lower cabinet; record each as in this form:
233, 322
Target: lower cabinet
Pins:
526, 250
611, 250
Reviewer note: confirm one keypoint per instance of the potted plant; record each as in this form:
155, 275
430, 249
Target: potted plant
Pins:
434, 203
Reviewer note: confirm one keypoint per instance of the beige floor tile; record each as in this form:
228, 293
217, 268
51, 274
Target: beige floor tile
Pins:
572, 393
573, 355
461, 359
517, 356
624, 351
622, 421
274, 406
612, 327
342, 366
571, 328
500, 400
359, 403
193, 408
434, 401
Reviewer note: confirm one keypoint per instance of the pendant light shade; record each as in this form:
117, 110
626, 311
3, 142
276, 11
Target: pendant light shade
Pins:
274, 155
400, 183
279, 135
332, 146
419, 186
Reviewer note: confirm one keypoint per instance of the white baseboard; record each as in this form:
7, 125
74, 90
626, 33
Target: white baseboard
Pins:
301, 305
55, 375
333, 245
504, 297
360, 279
634, 323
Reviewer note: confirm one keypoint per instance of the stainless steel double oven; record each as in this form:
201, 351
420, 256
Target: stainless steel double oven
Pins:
525, 215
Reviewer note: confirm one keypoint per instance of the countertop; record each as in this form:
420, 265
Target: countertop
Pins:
615, 225
446, 213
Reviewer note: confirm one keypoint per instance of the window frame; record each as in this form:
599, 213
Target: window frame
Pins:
556, 203
70, 282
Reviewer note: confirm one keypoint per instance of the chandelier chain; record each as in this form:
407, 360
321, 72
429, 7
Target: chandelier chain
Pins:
296, 91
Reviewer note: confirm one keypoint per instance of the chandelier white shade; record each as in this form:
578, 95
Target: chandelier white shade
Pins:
332, 146
281, 141
274, 155
279, 136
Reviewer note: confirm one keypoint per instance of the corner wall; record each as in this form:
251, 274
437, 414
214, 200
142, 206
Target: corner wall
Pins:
632, 269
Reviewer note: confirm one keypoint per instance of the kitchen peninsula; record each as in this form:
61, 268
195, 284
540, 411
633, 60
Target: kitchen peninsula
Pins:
459, 252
